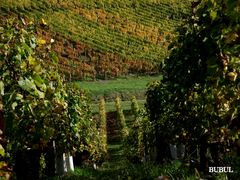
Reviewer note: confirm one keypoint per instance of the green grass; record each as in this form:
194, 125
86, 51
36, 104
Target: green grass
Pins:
147, 171
124, 87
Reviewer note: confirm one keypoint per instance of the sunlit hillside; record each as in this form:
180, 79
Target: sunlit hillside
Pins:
107, 38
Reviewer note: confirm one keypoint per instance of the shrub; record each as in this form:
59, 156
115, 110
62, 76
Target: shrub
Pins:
81, 122
4, 169
133, 143
200, 84
134, 107
103, 126
38, 106
32, 94
121, 122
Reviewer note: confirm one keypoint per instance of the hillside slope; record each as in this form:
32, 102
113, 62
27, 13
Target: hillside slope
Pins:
105, 38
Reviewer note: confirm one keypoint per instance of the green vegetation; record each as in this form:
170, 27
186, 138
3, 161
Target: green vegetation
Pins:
93, 22
110, 106
147, 171
191, 117
135, 107
133, 143
123, 87
103, 125
116, 37
39, 108
198, 99
121, 121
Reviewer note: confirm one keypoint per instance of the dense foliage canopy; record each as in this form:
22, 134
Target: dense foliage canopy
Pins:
38, 106
200, 88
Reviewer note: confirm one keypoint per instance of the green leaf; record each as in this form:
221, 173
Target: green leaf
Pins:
14, 105
54, 57
1, 88
26, 84
2, 152
32, 61
214, 3
1, 29
23, 65
38, 68
27, 48
41, 95
19, 96
213, 15
18, 57
30, 87
39, 82
33, 43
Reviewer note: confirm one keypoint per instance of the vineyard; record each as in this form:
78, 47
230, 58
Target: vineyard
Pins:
105, 39
119, 89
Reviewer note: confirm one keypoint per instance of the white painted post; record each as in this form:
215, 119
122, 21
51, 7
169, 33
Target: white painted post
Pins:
153, 153
69, 163
63, 162
181, 151
61, 167
60, 164
173, 150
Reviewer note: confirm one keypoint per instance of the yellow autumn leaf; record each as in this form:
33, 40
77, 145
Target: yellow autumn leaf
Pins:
32, 61
232, 76
2, 152
41, 41
38, 68
23, 65
43, 22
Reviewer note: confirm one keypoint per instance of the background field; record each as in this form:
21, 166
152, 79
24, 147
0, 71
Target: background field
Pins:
115, 45
110, 106
122, 87
105, 39
125, 88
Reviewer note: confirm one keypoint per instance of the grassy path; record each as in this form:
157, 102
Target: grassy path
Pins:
115, 148
117, 167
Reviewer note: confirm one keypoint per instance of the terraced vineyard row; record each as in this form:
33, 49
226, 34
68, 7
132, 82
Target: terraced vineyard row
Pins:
130, 30
110, 41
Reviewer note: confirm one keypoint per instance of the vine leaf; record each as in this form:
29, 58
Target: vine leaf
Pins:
1, 88
2, 151
213, 15
14, 105
32, 61
54, 57
30, 87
